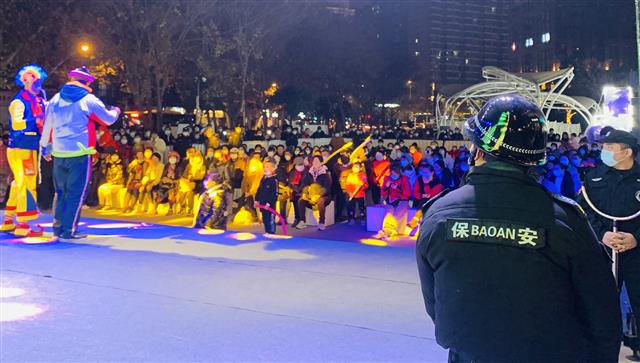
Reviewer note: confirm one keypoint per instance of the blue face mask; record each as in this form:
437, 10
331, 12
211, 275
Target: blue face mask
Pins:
395, 177
464, 167
425, 174
558, 172
378, 157
404, 162
607, 158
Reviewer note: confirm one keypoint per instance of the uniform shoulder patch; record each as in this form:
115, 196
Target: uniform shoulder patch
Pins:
571, 202
495, 232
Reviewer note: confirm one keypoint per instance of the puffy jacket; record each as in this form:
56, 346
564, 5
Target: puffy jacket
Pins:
26, 112
70, 121
396, 190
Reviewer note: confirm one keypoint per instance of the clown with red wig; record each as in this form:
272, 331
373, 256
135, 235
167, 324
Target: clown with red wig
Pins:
26, 115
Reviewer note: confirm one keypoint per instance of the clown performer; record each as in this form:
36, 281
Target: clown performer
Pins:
27, 111
70, 129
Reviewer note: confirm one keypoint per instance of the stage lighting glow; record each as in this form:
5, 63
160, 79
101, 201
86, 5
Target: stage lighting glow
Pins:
276, 236
373, 242
242, 236
210, 232
36, 240
115, 225
617, 108
18, 311
50, 225
6, 292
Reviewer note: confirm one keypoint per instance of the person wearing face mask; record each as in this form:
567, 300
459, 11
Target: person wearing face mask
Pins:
614, 188
237, 170
208, 158
135, 171
150, 182
316, 194
505, 243
282, 173
355, 188
158, 144
267, 195
554, 179
26, 114
426, 187
395, 192
125, 150
166, 195
571, 188
380, 169
298, 179
183, 142
108, 191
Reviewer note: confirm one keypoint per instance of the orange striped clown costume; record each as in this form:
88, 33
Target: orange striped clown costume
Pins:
26, 116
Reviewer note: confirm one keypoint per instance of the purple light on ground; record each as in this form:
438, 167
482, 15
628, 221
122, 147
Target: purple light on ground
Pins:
115, 225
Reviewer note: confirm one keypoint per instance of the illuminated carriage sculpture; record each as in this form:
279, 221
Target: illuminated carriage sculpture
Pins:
544, 88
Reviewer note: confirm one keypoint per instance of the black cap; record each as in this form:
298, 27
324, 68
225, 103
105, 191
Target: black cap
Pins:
614, 136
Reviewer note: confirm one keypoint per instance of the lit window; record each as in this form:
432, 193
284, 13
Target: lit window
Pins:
455, 53
606, 66
528, 43
513, 47
417, 40
466, 61
417, 54
493, 9
546, 37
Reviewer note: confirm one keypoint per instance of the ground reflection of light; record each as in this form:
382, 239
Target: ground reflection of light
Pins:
210, 231
248, 251
18, 311
6, 292
242, 236
373, 242
115, 225
50, 225
277, 236
36, 240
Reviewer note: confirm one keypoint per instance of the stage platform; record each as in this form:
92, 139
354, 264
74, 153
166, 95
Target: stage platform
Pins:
142, 292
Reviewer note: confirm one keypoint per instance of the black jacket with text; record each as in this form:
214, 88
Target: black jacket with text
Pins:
512, 273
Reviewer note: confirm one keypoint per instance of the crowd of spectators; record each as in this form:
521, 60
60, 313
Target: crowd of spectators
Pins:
168, 168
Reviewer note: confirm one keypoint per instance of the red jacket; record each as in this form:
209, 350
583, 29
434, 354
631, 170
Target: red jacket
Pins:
381, 169
356, 183
431, 189
394, 190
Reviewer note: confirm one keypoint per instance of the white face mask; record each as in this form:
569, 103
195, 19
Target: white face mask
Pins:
136, 140
299, 167
173, 160
270, 153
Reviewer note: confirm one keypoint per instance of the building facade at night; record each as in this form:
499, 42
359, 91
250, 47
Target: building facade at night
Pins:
556, 34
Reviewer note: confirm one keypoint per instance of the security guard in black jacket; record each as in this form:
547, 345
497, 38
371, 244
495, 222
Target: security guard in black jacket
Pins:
510, 272
614, 189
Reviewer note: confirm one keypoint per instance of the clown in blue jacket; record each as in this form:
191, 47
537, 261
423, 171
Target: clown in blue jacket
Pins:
27, 110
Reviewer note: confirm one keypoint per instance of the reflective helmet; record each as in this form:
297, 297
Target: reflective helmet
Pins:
510, 128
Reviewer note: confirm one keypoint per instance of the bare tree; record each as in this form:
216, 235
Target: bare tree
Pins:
153, 38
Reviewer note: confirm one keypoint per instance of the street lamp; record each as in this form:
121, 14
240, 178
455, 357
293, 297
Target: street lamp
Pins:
84, 49
410, 84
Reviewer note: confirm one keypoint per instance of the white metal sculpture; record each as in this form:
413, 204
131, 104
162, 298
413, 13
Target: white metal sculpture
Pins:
529, 85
